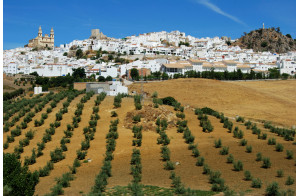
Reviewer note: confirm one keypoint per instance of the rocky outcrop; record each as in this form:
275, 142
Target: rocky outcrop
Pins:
267, 40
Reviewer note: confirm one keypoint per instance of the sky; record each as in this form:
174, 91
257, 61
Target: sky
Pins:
74, 19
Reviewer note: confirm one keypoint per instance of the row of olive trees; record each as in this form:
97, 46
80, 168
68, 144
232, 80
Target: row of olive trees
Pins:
89, 131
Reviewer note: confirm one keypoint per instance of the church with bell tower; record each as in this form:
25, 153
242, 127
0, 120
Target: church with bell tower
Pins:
42, 41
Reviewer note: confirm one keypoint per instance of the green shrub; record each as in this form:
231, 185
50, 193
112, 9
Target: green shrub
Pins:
23, 125
5, 145
272, 189
29, 134
46, 138
169, 165
49, 110
81, 154
56, 124
24, 142
10, 139
136, 118
154, 95
219, 186
243, 142
289, 154
271, 141
16, 132
279, 173
57, 155
195, 152
224, 150
218, 143
258, 156
264, 136
247, 175
138, 106
65, 179
214, 176
240, 119
248, 124
256, 183
18, 177
238, 166
114, 114
192, 146
249, 149
95, 109
279, 147
169, 101
200, 161
64, 147
85, 145
180, 115
230, 158
289, 181
206, 169
57, 190
266, 163
136, 188
165, 153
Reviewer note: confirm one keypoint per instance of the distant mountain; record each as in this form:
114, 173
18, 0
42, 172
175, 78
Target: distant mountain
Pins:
270, 39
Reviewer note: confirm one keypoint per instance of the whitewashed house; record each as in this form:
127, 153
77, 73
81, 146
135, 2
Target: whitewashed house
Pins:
287, 66
116, 87
10, 68
179, 67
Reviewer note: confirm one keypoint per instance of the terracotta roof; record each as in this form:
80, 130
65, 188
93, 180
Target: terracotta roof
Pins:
243, 66
219, 64
195, 61
184, 62
230, 62
177, 65
206, 64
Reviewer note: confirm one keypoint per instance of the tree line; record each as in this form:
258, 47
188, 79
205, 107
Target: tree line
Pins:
235, 75
11, 95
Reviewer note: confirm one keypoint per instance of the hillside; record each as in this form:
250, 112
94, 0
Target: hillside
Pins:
260, 100
105, 138
266, 40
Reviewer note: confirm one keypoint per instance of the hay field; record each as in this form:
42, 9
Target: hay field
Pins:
258, 100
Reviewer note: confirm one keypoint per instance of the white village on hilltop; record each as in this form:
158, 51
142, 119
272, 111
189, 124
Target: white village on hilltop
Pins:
169, 52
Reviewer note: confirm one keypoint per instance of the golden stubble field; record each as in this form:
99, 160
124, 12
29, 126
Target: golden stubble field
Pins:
193, 92
258, 100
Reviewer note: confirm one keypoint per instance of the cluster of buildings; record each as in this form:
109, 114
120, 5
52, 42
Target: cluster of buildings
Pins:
158, 51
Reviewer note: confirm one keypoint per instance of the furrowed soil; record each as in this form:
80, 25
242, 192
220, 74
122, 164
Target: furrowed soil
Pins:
258, 100
263, 100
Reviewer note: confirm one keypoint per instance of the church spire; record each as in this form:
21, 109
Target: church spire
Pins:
52, 33
40, 34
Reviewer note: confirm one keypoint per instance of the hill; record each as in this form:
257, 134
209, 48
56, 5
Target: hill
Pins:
78, 125
260, 100
267, 40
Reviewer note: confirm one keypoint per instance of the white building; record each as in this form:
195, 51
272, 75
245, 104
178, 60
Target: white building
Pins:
287, 66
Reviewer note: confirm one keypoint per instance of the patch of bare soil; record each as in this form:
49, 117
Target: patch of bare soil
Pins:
149, 114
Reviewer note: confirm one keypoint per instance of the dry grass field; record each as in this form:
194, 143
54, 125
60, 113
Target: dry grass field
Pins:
274, 101
258, 100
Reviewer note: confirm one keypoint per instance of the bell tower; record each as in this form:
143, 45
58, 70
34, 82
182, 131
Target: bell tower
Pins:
40, 34
52, 33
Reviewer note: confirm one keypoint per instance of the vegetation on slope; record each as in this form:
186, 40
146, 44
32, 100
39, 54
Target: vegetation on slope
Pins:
270, 39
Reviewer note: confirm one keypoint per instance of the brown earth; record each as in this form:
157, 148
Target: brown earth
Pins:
152, 165
258, 100
9, 86
148, 115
